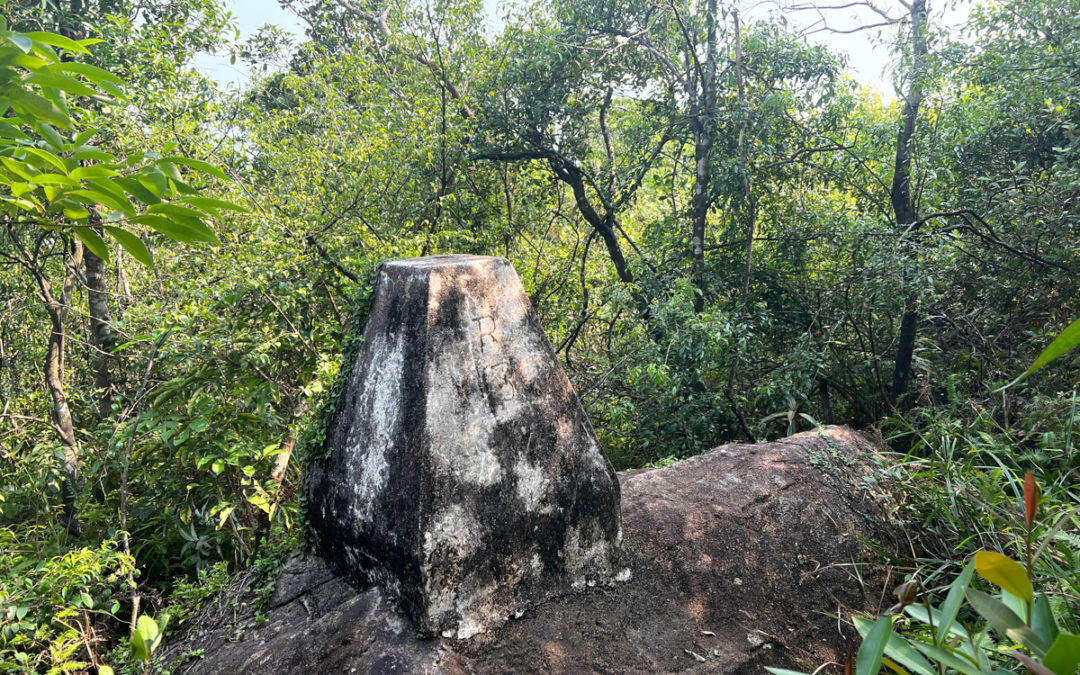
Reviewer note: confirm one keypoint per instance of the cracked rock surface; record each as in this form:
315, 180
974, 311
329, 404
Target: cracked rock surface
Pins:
736, 556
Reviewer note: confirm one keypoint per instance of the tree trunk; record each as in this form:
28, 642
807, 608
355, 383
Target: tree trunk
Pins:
903, 204
57, 309
703, 123
101, 332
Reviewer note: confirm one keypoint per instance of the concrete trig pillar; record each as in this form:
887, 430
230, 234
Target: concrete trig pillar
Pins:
462, 474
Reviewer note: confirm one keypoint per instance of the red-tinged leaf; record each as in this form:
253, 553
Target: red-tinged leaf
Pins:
1032, 493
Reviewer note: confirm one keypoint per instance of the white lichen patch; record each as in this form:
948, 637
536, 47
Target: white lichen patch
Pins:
380, 402
453, 534
532, 484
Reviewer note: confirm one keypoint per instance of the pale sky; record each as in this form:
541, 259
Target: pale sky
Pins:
867, 50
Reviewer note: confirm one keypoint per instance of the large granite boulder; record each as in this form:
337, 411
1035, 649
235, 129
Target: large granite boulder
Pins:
462, 476
741, 558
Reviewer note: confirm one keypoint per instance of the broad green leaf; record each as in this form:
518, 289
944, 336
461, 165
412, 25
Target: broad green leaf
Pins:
952, 603
169, 228
48, 157
75, 213
21, 169
50, 135
8, 130
175, 210
212, 206
139, 647
1005, 621
136, 190
85, 152
54, 40
93, 242
96, 171
22, 42
132, 244
53, 179
38, 107
48, 78
92, 197
1005, 572
1063, 657
198, 165
868, 660
102, 78
1042, 620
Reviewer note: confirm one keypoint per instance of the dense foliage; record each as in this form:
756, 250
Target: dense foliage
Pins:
724, 236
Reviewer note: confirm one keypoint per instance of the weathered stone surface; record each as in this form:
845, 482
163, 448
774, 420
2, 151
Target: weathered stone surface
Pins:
464, 478
737, 557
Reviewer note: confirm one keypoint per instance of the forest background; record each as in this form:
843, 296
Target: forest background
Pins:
724, 236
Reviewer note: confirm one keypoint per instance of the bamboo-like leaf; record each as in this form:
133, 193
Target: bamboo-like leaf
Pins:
952, 602
868, 660
898, 649
1068, 339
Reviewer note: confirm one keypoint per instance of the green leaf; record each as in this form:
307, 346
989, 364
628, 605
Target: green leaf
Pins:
139, 647
97, 171
48, 78
1005, 621
946, 658
48, 157
53, 179
85, 152
100, 77
93, 197
898, 649
22, 42
868, 661
132, 244
37, 107
1042, 620
212, 206
50, 135
1063, 657
169, 228
1005, 572
198, 165
8, 130
54, 40
952, 603
175, 210
1068, 339
93, 242
136, 190
197, 229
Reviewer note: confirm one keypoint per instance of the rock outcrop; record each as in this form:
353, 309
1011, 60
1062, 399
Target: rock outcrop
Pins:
739, 557
463, 477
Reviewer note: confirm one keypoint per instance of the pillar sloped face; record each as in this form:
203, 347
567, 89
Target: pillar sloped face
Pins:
463, 476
